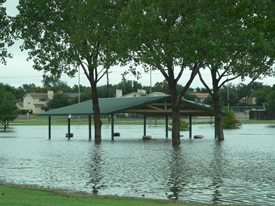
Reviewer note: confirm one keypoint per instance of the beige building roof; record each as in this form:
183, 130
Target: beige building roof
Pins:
201, 95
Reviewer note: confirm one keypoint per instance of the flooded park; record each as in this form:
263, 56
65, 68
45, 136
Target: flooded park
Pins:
239, 170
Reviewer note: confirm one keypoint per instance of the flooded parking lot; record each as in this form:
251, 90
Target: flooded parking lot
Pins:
239, 170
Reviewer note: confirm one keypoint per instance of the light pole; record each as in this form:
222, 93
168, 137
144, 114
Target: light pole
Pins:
78, 84
78, 89
151, 80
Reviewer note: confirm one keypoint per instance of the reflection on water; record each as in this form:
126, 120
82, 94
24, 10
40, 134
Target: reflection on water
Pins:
217, 164
239, 170
176, 180
96, 169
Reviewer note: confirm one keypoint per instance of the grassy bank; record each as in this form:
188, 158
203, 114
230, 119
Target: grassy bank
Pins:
11, 195
258, 121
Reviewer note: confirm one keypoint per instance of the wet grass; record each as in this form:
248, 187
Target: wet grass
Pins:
15, 196
258, 121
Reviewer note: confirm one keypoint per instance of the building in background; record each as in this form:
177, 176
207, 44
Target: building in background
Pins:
138, 93
37, 102
200, 97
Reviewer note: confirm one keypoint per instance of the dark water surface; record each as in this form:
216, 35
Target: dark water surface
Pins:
240, 170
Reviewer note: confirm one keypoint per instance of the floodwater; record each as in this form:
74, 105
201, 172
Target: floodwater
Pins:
239, 170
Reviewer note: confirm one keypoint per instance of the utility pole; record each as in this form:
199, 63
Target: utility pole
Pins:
78, 89
78, 85
107, 74
227, 94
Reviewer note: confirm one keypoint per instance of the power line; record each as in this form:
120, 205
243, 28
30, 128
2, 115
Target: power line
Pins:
15, 77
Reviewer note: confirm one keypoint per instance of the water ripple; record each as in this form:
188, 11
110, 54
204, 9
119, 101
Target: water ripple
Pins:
238, 170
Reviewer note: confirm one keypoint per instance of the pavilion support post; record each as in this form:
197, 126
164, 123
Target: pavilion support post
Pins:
144, 125
190, 126
166, 125
90, 127
215, 129
69, 127
50, 124
112, 127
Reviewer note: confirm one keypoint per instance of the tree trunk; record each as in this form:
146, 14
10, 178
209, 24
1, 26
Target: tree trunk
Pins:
5, 127
219, 128
175, 116
218, 118
96, 109
176, 127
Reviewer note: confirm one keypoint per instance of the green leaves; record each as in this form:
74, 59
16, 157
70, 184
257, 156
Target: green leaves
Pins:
62, 35
61, 100
230, 121
5, 34
166, 36
240, 44
271, 101
158, 32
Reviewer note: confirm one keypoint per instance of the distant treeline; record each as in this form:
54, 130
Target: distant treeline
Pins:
257, 89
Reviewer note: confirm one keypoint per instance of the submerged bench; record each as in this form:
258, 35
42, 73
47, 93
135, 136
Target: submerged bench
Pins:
198, 136
71, 135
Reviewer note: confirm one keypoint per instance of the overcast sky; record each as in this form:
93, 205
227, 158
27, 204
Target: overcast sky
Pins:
19, 71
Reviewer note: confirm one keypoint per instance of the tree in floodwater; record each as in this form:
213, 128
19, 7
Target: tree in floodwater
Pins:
168, 36
241, 37
62, 35
177, 36
8, 108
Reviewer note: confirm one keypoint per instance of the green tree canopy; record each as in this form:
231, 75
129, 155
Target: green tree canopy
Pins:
56, 85
271, 101
261, 94
5, 33
61, 100
161, 87
128, 86
8, 109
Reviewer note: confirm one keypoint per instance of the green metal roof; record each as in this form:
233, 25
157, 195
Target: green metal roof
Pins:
142, 104
107, 106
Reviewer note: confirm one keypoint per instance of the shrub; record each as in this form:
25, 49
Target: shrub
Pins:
184, 126
230, 121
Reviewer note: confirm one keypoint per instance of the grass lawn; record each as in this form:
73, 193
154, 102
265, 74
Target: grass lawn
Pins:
13, 196
258, 121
